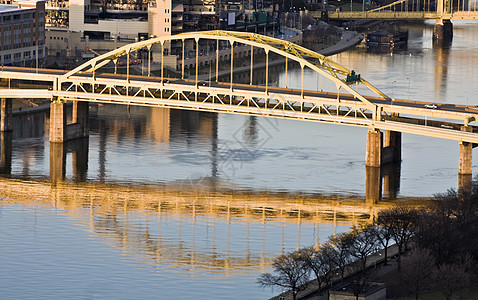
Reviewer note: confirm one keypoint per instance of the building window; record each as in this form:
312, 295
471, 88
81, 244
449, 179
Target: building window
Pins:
7, 57
17, 55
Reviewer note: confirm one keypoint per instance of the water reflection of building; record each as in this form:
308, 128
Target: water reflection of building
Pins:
193, 229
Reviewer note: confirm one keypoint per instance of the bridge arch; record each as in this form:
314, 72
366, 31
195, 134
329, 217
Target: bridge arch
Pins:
305, 57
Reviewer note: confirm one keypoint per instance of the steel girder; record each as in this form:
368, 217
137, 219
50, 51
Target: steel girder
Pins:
305, 57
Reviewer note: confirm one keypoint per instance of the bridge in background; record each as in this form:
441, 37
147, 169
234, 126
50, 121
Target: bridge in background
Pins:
345, 105
443, 11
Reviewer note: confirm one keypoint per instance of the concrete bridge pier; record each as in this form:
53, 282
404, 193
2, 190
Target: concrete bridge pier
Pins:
382, 150
5, 152
442, 32
81, 115
60, 131
5, 115
465, 162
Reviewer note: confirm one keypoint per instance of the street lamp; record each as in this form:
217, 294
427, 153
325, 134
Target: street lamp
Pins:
393, 82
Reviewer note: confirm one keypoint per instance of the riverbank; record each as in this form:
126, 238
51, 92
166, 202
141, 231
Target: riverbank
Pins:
375, 262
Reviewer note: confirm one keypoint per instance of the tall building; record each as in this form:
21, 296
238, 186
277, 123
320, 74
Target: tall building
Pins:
130, 19
22, 30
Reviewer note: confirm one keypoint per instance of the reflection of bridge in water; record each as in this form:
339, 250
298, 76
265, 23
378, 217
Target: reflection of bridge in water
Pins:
130, 217
443, 11
163, 126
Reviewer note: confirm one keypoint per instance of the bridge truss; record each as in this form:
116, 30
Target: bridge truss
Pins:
413, 10
344, 106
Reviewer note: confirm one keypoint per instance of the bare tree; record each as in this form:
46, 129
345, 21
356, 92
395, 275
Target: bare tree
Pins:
320, 262
341, 256
400, 219
363, 243
449, 278
291, 274
384, 235
418, 269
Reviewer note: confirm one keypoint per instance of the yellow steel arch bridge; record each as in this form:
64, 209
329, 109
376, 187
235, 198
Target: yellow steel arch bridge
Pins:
411, 10
345, 105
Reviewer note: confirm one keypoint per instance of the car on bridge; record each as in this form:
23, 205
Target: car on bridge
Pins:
431, 106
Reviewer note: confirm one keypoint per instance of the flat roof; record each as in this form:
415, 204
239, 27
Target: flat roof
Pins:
8, 8
14, 7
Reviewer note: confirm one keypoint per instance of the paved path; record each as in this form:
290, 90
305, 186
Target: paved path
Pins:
374, 261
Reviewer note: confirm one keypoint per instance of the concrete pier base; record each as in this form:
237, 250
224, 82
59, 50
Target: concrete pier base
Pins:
383, 148
5, 114
60, 131
442, 32
465, 157
392, 147
57, 122
464, 182
374, 148
81, 115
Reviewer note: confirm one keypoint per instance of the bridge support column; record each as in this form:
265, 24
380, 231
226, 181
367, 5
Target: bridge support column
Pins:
442, 32
6, 114
465, 159
392, 147
374, 148
382, 150
57, 122
81, 116
5, 152
60, 131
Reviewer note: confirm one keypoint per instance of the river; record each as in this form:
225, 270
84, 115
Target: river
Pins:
173, 204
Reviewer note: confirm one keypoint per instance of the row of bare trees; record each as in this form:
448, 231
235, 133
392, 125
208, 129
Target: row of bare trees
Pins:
443, 239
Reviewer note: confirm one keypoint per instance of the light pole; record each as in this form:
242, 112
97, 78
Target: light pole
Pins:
393, 82
408, 88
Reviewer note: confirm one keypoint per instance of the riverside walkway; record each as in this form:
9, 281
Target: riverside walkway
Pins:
374, 262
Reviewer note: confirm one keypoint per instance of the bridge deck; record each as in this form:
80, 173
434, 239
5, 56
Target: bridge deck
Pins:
442, 121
